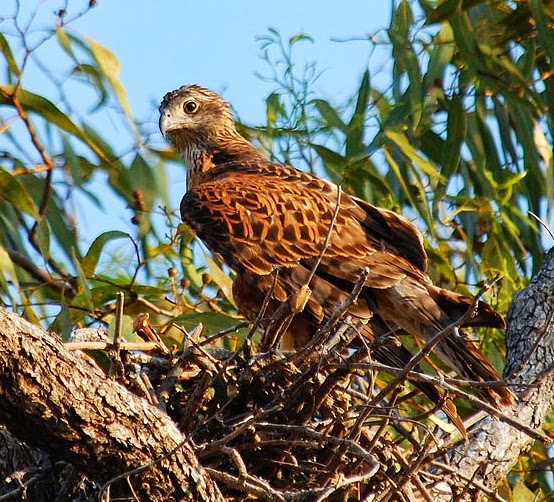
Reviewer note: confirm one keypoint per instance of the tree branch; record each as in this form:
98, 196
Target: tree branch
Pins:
494, 447
61, 401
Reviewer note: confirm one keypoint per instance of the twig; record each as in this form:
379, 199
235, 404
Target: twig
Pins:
63, 286
325, 438
414, 361
109, 346
316, 342
20, 490
176, 370
545, 226
446, 383
246, 345
131, 472
116, 364
487, 491
220, 334
246, 485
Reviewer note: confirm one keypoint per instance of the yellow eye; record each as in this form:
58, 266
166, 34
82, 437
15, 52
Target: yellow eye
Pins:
190, 106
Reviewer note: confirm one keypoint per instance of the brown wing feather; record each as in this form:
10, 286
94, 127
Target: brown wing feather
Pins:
263, 220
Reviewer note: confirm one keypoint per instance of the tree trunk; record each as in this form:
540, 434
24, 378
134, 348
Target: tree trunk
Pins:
62, 402
494, 448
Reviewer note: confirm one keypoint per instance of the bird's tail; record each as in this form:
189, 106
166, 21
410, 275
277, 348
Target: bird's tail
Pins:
461, 353
388, 351
467, 360
457, 306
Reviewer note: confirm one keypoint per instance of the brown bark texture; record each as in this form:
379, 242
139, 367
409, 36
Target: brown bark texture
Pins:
62, 402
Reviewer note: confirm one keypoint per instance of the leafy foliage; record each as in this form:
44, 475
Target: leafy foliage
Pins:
459, 139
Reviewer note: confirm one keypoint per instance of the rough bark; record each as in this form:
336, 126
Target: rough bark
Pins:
492, 451
61, 402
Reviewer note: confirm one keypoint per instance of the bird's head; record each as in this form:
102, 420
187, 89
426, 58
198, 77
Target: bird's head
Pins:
195, 118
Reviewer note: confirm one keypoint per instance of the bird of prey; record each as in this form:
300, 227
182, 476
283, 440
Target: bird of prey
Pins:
281, 229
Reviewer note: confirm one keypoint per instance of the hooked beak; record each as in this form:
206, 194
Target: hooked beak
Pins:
167, 122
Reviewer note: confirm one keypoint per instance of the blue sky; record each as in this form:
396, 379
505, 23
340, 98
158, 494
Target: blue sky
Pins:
162, 45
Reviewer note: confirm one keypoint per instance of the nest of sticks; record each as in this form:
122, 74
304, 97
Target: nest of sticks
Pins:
322, 423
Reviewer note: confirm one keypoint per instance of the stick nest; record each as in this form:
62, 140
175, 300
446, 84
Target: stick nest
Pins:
309, 425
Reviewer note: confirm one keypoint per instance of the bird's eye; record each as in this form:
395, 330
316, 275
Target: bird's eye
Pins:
190, 106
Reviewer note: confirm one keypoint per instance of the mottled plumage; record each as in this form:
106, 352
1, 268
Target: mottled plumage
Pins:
263, 217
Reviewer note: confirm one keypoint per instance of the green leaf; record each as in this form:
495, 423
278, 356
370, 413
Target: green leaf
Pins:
274, 108
97, 82
61, 225
81, 169
144, 178
402, 178
544, 27
456, 129
300, 37
84, 298
90, 260
118, 174
111, 68
441, 55
330, 115
212, 321
355, 134
6, 50
464, 37
444, 11
220, 278
62, 324
401, 140
50, 112
126, 329
334, 162
43, 236
65, 43
8, 270
432, 146
505, 130
406, 63
15, 193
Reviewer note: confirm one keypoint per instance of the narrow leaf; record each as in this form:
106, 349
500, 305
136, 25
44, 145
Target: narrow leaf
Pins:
7, 269
456, 129
90, 261
354, 137
220, 278
85, 296
428, 168
65, 43
16, 194
110, 67
330, 115
6, 50
444, 11
43, 236
441, 55
50, 112
544, 28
